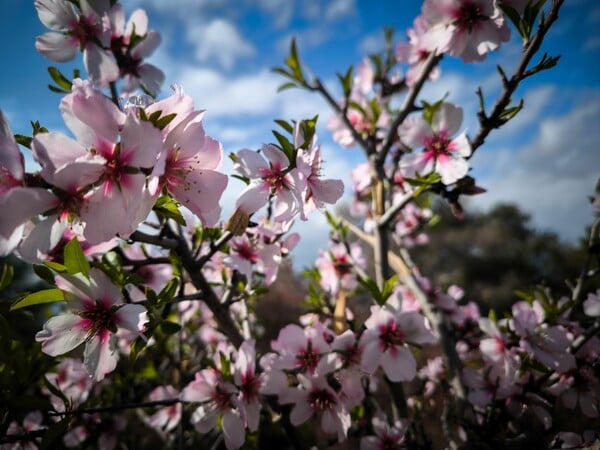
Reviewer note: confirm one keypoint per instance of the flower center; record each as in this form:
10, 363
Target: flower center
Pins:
321, 400
245, 251
342, 265
439, 144
250, 386
100, 318
7, 181
469, 16
391, 335
274, 179
221, 398
307, 359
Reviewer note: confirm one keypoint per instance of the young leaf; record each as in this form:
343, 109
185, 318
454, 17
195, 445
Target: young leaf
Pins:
39, 298
8, 272
286, 146
44, 273
23, 140
75, 260
55, 432
61, 81
169, 328
285, 125
169, 291
168, 208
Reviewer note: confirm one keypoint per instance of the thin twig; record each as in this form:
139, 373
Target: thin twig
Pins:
390, 214
215, 247
408, 105
509, 86
318, 87
577, 294
221, 311
113, 408
140, 236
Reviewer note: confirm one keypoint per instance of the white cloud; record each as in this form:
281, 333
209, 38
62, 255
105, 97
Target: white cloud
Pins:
535, 102
307, 38
552, 176
246, 95
330, 10
219, 41
338, 9
592, 44
371, 43
281, 11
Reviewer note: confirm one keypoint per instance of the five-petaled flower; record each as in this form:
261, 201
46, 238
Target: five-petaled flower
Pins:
97, 314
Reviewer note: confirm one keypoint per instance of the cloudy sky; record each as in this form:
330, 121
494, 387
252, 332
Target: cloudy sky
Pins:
221, 51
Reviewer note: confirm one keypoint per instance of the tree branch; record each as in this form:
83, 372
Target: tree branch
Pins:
510, 85
408, 105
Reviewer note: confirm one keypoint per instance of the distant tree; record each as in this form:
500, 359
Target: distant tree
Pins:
500, 252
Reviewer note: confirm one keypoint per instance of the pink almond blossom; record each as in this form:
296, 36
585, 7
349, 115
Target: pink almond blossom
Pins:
441, 153
269, 177
97, 314
87, 29
314, 396
249, 383
388, 331
468, 29
130, 54
167, 418
318, 191
218, 399
23, 202
190, 175
416, 52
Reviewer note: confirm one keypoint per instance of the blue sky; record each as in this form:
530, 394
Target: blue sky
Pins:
221, 51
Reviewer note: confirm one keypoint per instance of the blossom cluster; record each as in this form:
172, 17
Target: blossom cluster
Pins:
112, 47
123, 220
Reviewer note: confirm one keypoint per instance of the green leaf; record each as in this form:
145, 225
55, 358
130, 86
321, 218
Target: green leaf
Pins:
430, 109
61, 81
138, 344
44, 273
246, 180
512, 14
380, 296
57, 89
346, 82
56, 391
525, 295
151, 296
388, 287
169, 327
511, 112
308, 127
55, 266
371, 286
286, 146
8, 272
288, 85
168, 292
38, 298
55, 432
37, 128
75, 260
169, 209
23, 140
225, 365
293, 62
285, 125
154, 116
164, 121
